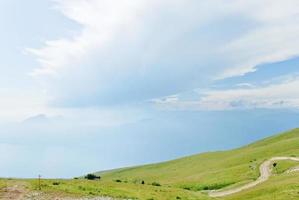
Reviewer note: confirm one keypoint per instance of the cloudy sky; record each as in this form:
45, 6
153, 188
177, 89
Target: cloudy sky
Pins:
87, 85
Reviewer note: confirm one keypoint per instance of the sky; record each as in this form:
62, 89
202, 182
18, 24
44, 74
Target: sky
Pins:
89, 85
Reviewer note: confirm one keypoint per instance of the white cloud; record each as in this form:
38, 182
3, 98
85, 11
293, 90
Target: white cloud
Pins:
139, 50
273, 39
278, 95
283, 95
265, 45
100, 21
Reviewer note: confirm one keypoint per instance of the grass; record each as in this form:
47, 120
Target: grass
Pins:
79, 188
282, 187
216, 168
283, 166
190, 177
3, 183
201, 187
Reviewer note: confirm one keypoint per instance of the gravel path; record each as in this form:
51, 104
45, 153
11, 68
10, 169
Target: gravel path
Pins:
265, 171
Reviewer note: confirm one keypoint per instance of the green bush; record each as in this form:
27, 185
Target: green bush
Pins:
92, 177
215, 186
156, 184
55, 183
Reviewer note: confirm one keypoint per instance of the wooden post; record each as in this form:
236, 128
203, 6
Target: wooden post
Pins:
39, 183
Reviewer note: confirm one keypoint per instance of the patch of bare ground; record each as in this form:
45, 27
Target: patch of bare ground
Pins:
16, 190
13, 191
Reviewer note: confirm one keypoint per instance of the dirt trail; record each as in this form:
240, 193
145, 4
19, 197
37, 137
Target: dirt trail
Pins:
265, 171
294, 169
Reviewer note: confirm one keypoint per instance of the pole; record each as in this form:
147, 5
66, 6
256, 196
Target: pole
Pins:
39, 184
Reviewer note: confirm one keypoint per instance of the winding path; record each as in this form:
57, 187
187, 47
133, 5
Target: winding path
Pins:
265, 171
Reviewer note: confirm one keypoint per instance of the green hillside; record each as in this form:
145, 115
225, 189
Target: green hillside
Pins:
192, 177
213, 170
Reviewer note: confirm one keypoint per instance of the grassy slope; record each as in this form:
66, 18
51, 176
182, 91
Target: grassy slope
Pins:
283, 166
213, 170
187, 178
78, 188
235, 166
282, 187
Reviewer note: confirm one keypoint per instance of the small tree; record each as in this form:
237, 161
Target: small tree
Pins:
274, 164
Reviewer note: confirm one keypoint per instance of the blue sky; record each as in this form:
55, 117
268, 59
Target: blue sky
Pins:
99, 84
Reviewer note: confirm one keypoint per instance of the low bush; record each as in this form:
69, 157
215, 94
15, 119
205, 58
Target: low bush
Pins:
156, 184
55, 183
215, 186
186, 187
92, 177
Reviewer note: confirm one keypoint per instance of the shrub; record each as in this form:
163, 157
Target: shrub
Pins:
81, 188
118, 181
187, 188
56, 183
156, 184
200, 187
142, 182
215, 186
92, 177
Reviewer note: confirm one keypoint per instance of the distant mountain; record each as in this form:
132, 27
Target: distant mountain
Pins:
41, 118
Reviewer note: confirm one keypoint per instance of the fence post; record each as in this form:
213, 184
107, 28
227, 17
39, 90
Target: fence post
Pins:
39, 183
